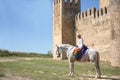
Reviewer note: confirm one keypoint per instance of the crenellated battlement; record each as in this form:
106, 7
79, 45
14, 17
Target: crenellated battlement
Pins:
68, 3
71, 3
91, 13
57, 2
99, 28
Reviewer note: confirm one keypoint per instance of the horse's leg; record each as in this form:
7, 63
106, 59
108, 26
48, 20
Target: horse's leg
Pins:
96, 64
71, 67
98, 75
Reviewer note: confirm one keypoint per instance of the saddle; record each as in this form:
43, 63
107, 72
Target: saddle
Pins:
78, 53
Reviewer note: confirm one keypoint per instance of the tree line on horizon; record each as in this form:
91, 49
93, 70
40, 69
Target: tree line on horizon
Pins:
6, 53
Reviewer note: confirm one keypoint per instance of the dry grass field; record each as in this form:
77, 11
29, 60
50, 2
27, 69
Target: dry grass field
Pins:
34, 68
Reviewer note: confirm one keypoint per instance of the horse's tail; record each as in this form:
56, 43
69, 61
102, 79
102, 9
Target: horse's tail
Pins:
98, 64
98, 57
98, 60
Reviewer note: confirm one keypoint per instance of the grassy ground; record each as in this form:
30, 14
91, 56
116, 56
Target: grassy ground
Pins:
49, 69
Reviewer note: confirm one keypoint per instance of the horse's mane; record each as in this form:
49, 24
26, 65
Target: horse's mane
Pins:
65, 45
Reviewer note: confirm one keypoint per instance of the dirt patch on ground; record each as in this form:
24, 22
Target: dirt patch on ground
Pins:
7, 60
11, 77
102, 78
15, 59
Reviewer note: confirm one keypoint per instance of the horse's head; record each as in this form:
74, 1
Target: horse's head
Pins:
62, 48
58, 51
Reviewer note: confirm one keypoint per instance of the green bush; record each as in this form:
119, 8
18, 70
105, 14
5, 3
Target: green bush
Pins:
6, 53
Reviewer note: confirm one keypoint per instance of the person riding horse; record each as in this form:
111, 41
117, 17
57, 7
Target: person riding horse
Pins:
81, 48
81, 53
80, 42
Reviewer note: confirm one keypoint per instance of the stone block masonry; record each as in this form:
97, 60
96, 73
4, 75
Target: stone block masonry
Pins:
100, 29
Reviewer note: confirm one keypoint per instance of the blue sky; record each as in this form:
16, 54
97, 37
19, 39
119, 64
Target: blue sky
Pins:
26, 25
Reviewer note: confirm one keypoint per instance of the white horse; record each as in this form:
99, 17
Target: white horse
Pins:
93, 57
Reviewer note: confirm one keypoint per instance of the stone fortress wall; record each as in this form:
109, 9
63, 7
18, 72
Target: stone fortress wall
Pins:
94, 27
100, 29
104, 3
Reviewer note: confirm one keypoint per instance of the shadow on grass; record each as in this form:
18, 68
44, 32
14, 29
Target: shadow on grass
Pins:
109, 78
101, 78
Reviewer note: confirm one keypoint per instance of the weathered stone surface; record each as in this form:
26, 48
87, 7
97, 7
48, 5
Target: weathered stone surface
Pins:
64, 23
104, 3
100, 29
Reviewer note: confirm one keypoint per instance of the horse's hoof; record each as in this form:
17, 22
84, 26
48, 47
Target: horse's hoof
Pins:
72, 75
69, 74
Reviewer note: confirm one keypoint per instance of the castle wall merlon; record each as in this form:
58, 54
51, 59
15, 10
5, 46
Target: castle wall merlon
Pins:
101, 12
71, 4
105, 10
92, 13
76, 16
56, 2
74, 4
89, 12
97, 14
82, 15
59, 2
68, 3
85, 14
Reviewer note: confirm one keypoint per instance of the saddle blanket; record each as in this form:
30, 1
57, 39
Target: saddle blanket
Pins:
84, 57
81, 54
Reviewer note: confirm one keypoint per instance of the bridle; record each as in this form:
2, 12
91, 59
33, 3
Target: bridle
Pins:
58, 52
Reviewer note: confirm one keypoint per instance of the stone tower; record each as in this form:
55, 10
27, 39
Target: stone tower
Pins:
104, 3
114, 9
100, 29
64, 23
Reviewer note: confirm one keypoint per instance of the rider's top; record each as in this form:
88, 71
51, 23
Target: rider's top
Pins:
80, 43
